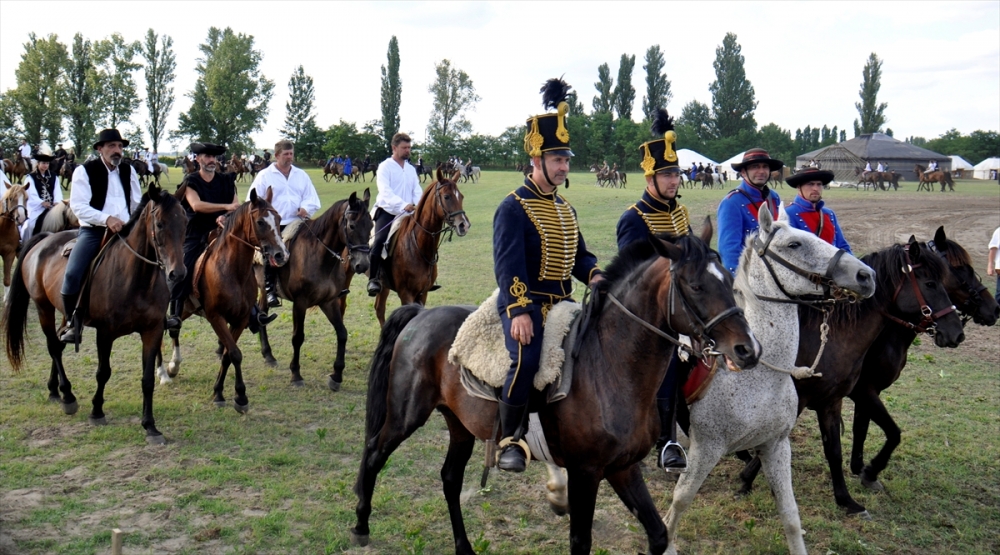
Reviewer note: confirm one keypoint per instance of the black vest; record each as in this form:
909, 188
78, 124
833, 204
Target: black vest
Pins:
45, 185
97, 172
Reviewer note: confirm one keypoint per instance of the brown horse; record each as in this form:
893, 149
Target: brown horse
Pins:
316, 275
66, 174
912, 285
413, 269
930, 178
13, 212
188, 164
139, 265
16, 169
886, 359
225, 287
607, 423
238, 167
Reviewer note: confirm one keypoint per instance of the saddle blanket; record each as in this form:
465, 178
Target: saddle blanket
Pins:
479, 344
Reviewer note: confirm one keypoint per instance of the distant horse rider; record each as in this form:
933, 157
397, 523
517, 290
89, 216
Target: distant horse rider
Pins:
868, 169
534, 264
24, 154
43, 194
398, 193
932, 166
808, 211
880, 168
104, 194
737, 213
348, 167
659, 212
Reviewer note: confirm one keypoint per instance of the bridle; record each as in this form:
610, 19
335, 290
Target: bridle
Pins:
974, 290
448, 224
929, 317
832, 292
363, 248
256, 245
158, 262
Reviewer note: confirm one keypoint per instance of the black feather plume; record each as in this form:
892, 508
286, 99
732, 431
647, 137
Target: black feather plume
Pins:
553, 92
662, 122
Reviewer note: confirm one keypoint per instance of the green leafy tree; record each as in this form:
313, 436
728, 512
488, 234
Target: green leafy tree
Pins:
453, 93
83, 88
917, 141
119, 97
511, 144
392, 93
602, 138
624, 93
231, 96
871, 112
575, 106
843, 135
604, 101
658, 93
579, 138
10, 129
733, 101
299, 108
310, 143
40, 87
160, 66
778, 143
694, 127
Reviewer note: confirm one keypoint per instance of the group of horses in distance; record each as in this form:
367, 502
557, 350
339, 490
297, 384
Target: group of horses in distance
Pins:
885, 180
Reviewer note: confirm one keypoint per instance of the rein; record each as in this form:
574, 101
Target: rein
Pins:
929, 317
156, 252
832, 293
446, 227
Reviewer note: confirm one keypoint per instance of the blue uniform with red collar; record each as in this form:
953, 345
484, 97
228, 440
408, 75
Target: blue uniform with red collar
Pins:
537, 249
737, 217
818, 220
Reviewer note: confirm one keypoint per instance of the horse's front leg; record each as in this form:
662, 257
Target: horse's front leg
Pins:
631, 489
776, 459
555, 489
332, 311
241, 402
380, 302
829, 425
229, 347
265, 342
152, 340
702, 458
583, 484
875, 411
174, 366
298, 338
104, 343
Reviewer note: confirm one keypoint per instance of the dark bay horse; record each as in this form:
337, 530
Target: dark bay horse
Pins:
13, 212
886, 359
608, 422
912, 290
66, 174
139, 267
226, 288
413, 269
928, 179
316, 275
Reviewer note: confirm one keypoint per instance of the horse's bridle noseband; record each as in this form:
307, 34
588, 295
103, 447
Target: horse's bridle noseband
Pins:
975, 290
831, 291
929, 318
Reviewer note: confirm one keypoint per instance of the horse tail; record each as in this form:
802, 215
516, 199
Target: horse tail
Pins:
14, 320
378, 372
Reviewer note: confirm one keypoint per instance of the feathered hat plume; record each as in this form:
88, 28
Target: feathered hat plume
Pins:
662, 122
554, 92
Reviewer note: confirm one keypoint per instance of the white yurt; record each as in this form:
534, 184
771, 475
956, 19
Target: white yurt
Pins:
685, 157
982, 170
960, 167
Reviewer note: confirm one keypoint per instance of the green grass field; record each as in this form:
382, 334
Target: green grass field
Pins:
279, 480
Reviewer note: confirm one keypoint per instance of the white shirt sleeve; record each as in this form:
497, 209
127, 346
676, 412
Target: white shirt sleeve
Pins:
387, 198
257, 185
416, 191
310, 200
34, 201
79, 199
995, 241
136, 191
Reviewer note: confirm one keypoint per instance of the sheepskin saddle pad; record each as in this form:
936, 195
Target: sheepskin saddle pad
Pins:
479, 349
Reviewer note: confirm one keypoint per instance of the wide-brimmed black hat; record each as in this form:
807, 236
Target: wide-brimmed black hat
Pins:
548, 132
757, 155
44, 154
109, 135
805, 175
208, 148
659, 154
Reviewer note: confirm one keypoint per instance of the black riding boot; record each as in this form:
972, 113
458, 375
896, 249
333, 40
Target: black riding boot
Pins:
173, 320
69, 334
259, 319
669, 454
374, 284
513, 457
270, 277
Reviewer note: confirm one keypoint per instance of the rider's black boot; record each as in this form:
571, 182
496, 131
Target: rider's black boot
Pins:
669, 454
173, 320
258, 319
270, 278
69, 306
514, 451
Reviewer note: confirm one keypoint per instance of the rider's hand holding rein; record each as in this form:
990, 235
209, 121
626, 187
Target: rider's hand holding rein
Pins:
114, 224
520, 326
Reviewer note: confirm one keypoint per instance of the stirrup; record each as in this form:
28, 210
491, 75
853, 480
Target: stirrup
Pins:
520, 443
672, 469
374, 287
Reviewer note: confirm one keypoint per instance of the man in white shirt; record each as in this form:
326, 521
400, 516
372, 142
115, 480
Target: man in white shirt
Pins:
993, 262
25, 152
294, 197
43, 193
398, 193
104, 194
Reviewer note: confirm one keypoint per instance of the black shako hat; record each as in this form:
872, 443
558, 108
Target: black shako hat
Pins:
208, 148
109, 135
805, 175
547, 132
659, 154
756, 155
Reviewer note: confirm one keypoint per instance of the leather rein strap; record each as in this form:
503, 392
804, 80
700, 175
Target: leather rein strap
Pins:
926, 323
831, 291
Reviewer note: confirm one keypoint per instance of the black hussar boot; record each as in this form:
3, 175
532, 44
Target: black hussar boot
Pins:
374, 285
514, 451
669, 454
69, 334
173, 319
258, 319
270, 288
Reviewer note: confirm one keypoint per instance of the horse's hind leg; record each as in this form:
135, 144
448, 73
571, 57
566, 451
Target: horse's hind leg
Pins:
859, 430
555, 490
702, 459
174, 366
748, 474
228, 347
776, 459
265, 342
452, 476
631, 489
332, 311
829, 424
104, 343
583, 484
877, 412
240, 402
152, 340
298, 337
58, 381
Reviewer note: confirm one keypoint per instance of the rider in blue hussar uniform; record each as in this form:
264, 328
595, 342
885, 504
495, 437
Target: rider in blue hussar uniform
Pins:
737, 213
808, 212
537, 249
659, 212
347, 165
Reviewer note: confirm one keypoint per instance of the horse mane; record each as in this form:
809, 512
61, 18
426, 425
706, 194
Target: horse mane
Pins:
165, 199
639, 253
55, 219
230, 221
322, 224
954, 253
13, 192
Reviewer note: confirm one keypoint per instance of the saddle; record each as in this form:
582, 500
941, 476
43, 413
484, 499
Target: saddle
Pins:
480, 352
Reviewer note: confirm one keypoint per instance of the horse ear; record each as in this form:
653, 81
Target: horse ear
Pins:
253, 195
913, 249
440, 176
665, 249
940, 239
367, 196
269, 195
154, 191
765, 219
707, 230
912, 239
353, 198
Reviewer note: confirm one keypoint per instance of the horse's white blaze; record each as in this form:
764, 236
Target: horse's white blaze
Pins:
714, 270
269, 218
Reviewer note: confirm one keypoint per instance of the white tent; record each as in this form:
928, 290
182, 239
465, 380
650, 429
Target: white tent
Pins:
728, 164
685, 157
982, 169
959, 163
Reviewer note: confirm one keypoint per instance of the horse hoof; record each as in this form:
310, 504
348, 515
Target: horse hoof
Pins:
298, 383
102, 421
271, 361
863, 515
242, 409
71, 408
360, 540
173, 370
55, 399
219, 404
156, 440
333, 384
873, 485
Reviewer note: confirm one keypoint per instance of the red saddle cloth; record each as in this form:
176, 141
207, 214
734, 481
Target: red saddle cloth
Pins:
699, 379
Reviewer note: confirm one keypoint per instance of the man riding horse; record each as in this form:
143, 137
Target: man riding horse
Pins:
398, 193
737, 214
659, 212
534, 264
43, 194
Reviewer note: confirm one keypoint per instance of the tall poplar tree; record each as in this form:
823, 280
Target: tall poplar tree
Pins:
624, 94
657, 85
40, 87
392, 93
453, 93
733, 102
603, 102
160, 65
119, 98
871, 112
81, 93
299, 108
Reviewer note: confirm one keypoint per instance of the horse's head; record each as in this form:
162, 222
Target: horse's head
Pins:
971, 297
356, 228
166, 225
920, 280
796, 264
266, 225
698, 300
15, 203
447, 202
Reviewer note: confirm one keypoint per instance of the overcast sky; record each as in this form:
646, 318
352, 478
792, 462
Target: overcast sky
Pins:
941, 60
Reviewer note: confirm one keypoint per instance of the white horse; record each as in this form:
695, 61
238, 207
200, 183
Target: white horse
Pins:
757, 407
165, 170
60, 218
